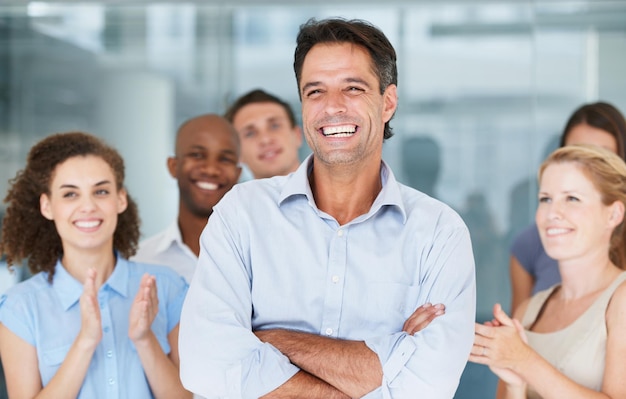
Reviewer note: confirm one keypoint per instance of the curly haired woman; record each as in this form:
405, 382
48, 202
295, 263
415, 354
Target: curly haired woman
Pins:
89, 323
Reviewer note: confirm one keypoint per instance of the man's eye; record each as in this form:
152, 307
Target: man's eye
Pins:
228, 160
313, 93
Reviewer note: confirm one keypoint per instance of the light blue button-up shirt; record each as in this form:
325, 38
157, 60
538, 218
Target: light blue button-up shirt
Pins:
47, 316
270, 258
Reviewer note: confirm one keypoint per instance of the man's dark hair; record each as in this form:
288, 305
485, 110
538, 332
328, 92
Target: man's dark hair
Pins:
355, 31
258, 96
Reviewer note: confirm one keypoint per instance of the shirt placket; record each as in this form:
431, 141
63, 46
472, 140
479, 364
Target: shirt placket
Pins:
335, 283
108, 345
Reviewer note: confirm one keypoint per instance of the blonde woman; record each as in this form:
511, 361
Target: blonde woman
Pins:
569, 340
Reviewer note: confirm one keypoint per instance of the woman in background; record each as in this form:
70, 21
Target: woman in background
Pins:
89, 323
570, 341
531, 269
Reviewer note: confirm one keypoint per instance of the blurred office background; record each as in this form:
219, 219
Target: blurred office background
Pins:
485, 87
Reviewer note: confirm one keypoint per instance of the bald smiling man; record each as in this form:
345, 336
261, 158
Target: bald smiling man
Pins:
206, 166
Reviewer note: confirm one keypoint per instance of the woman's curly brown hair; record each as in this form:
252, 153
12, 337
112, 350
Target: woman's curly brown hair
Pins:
26, 233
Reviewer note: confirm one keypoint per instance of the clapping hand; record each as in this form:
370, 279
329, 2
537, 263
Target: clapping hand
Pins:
90, 319
501, 344
144, 309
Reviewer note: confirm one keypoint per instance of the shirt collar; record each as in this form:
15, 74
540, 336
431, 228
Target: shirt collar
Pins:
298, 184
171, 235
69, 289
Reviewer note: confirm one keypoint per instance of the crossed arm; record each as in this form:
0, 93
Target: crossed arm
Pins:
335, 368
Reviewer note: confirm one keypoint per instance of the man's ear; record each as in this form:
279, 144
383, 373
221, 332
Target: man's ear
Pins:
239, 169
298, 132
390, 98
172, 163
44, 206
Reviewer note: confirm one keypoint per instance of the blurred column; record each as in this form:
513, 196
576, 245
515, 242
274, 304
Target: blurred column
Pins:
135, 113
612, 64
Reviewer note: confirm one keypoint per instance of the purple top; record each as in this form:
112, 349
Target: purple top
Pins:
528, 250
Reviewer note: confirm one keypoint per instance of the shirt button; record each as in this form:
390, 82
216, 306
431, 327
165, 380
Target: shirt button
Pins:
340, 233
111, 381
109, 353
335, 279
106, 329
329, 331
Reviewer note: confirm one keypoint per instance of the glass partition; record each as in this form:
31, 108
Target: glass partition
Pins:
485, 88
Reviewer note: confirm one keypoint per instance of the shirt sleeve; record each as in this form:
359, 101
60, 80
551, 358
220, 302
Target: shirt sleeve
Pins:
429, 364
15, 315
220, 355
176, 293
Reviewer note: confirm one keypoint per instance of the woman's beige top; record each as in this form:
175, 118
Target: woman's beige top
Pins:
578, 350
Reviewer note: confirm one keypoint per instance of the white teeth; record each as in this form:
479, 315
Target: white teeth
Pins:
206, 185
87, 224
268, 154
340, 131
555, 231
